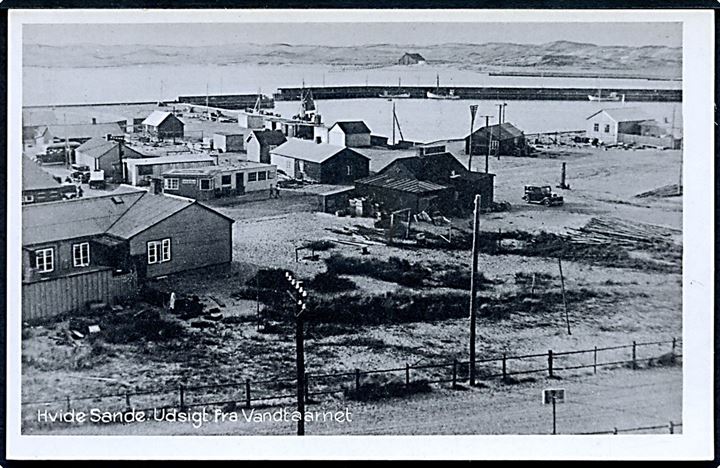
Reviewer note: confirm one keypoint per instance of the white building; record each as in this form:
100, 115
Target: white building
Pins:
351, 134
606, 124
140, 170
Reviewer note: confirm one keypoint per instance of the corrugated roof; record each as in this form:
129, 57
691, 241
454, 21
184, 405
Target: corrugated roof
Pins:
79, 217
35, 178
147, 211
97, 147
170, 159
623, 114
353, 127
400, 184
307, 150
85, 130
156, 118
504, 131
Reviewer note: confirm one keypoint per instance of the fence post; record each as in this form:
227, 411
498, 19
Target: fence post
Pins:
672, 427
615, 431
68, 403
674, 344
454, 373
634, 355
550, 363
182, 397
407, 374
127, 400
247, 393
595, 360
357, 382
504, 367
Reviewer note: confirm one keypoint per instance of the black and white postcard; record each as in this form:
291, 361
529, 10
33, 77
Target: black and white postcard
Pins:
277, 233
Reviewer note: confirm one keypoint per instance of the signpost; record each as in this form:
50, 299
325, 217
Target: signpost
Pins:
553, 396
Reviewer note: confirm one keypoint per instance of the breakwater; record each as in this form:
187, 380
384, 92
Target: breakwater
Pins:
479, 93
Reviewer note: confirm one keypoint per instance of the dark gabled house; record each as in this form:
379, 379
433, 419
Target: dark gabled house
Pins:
506, 140
452, 187
39, 186
411, 59
320, 162
101, 248
163, 125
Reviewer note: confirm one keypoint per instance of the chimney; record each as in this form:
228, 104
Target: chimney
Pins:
94, 120
108, 136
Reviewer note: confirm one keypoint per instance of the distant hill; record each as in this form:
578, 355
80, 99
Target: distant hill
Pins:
559, 55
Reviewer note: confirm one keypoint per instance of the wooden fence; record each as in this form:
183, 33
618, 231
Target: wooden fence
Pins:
279, 391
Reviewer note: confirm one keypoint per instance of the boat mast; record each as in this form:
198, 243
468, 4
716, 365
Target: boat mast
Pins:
393, 124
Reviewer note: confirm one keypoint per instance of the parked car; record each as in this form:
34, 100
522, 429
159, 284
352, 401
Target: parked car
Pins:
542, 195
80, 167
80, 176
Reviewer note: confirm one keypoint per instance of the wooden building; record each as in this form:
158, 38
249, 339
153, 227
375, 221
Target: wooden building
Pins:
258, 144
205, 183
100, 248
163, 126
320, 162
351, 134
39, 186
606, 125
141, 171
106, 154
411, 59
393, 193
229, 141
505, 138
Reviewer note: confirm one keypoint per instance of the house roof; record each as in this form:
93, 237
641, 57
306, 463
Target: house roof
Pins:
212, 170
170, 159
414, 55
35, 178
504, 131
308, 150
97, 147
623, 114
157, 117
85, 130
122, 215
400, 184
269, 137
352, 127
430, 166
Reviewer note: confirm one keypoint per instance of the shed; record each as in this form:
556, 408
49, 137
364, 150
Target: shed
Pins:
353, 134
39, 186
259, 143
106, 154
163, 125
394, 193
320, 162
507, 140
229, 142
140, 171
410, 58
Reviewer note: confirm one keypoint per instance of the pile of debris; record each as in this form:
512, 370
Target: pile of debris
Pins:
599, 231
672, 190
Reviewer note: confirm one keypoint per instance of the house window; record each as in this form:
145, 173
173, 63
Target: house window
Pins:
158, 251
143, 170
252, 176
349, 170
188, 182
596, 127
607, 128
262, 175
172, 184
226, 180
28, 199
81, 254
204, 184
44, 260
271, 174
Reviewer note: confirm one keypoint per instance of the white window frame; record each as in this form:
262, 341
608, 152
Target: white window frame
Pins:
81, 254
48, 258
252, 177
229, 184
209, 181
596, 127
172, 183
158, 251
165, 251
607, 128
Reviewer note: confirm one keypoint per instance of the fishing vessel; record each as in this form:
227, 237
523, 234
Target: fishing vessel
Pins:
396, 95
612, 97
436, 95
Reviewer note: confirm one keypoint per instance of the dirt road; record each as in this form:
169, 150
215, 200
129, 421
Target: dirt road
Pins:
611, 399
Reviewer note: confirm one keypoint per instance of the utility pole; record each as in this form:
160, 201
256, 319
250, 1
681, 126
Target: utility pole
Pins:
500, 116
299, 298
473, 111
473, 288
502, 120
489, 143
562, 285
393, 123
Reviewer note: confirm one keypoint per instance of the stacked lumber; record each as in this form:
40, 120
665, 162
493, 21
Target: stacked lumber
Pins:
621, 233
672, 190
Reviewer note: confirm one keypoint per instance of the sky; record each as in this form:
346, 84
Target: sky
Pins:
347, 34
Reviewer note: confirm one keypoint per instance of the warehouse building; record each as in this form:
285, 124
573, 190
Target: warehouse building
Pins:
106, 154
141, 171
163, 126
205, 183
320, 162
505, 139
351, 134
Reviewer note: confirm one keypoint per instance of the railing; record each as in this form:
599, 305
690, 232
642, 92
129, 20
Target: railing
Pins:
247, 393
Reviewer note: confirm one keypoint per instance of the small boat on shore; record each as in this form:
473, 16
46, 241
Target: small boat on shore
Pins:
437, 95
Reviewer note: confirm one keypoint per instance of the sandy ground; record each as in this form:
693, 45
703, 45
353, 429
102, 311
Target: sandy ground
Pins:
631, 304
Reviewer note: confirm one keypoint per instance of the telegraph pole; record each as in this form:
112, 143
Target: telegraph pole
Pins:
473, 111
500, 116
489, 144
299, 298
473, 288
